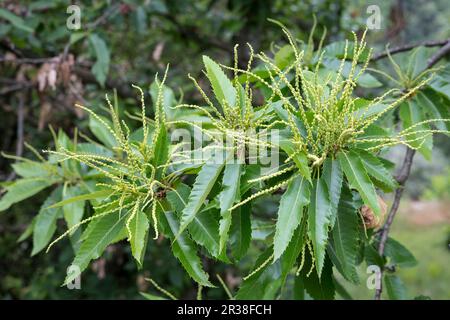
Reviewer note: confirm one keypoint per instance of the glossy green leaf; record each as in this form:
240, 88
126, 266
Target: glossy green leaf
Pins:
73, 211
398, 254
98, 235
357, 176
375, 168
229, 195
345, 236
230, 184
31, 169
294, 249
265, 283
241, 230
45, 222
319, 221
411, 114
300, 158
101, 132
149, 296
204, 227
204, 230
138, 237
222, 86
100, 68
394, 287
22, 189
184, 250
436, 106
318, 288
101, 194
160, 150
333, 175
204, 182
290, 212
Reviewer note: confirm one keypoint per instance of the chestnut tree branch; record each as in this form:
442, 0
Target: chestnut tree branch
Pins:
402, 177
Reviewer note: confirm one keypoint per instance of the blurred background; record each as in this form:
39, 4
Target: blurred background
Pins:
46, 67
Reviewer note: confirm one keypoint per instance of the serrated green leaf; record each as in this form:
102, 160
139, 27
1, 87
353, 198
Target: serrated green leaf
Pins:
98, 235
204, 230
333, 175
83, 197
204, 182
293, 250
394, 287
22, 189
300, 158
101, 132
184, 250
375, 168
290, 212
411, 113
436, 106
265, 283
73, 211
222, 86
204, 227
358, 179
345, 237
318, 288
399, 254
319, 220
31, 169
230, 184
139, 233
45, 222
229, 195
160, 151
241, 230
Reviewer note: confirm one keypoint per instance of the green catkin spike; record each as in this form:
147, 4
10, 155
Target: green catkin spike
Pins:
235, 78
273, 175
205, 97
262, 192
133, 214
100, 120
155, 221
199, 292
143, 117
259, 268
225, 288
163, 291
313, 261
70, 230
302, 262
35, 152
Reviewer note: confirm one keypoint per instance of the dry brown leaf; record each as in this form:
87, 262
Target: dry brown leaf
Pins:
370, 219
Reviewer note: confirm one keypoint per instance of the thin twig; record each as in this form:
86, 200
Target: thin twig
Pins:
435, 43
402, 177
